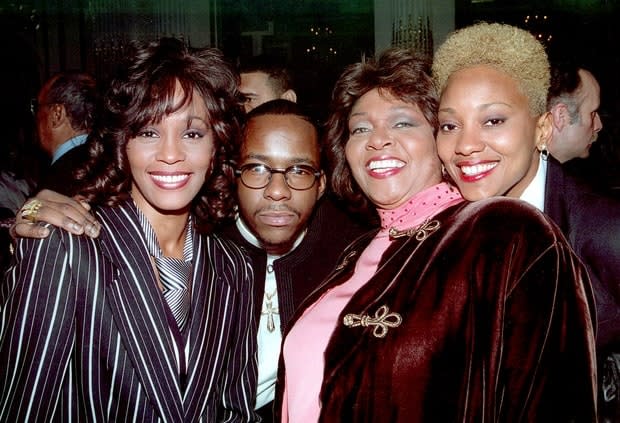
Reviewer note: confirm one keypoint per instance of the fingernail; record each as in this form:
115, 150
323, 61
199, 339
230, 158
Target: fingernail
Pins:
92, 230
76, 227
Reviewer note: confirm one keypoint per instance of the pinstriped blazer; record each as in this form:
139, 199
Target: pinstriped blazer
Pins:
84, 334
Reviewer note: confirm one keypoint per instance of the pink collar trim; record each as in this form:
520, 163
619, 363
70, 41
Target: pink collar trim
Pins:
420, 207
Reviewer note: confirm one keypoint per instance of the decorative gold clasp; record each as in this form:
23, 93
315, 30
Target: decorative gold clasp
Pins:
420, 232
381, 321
345, 260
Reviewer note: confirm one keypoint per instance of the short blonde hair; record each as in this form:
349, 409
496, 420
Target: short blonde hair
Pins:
506, 48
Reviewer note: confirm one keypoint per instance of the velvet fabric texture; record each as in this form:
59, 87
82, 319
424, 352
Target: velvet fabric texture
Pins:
497, 325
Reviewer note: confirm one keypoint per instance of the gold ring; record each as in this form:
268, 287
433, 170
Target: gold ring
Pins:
30, 210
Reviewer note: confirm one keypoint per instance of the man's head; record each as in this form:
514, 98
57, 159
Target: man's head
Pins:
573, 101
65, 108
279, 176
262, 80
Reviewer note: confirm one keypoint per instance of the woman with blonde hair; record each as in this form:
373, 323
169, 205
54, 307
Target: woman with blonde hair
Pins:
493, 134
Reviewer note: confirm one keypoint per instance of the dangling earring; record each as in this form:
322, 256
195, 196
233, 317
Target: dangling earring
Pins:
446, 176
544, 153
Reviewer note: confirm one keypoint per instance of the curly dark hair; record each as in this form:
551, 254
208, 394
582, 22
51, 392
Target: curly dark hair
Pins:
144, 93
401, 73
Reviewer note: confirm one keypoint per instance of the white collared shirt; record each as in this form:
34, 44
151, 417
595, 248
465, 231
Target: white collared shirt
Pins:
534, 193
269, 335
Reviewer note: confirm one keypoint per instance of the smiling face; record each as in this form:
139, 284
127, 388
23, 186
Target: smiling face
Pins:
391, 149
170, 160
277, 214
487, 134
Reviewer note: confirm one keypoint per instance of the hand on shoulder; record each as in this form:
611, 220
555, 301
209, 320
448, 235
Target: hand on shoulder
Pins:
72, 215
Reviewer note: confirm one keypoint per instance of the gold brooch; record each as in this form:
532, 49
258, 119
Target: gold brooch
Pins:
345, 260
421, 232
382, 321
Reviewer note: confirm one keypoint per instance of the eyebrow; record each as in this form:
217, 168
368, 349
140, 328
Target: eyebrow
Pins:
294, 160
391, 109
190, 119
482, 107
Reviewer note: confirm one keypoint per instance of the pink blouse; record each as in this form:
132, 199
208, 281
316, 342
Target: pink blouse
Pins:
305, 344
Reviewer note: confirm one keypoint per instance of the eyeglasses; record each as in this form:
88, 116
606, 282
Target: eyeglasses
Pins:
298, 177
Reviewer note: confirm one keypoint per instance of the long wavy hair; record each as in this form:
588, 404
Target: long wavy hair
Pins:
143, 93
401, 73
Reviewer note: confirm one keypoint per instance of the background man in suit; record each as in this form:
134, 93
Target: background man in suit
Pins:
262, 80
573, 101
65, 111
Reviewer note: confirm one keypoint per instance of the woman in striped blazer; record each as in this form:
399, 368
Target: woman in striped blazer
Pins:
151, 321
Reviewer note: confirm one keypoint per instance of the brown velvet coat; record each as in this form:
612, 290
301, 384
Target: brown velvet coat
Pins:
497, 325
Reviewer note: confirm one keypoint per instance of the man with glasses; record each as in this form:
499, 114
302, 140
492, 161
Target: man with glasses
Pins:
64, 113
291, 230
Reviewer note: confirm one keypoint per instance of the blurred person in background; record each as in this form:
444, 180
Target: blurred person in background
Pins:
573, 102
263, 79
65, 112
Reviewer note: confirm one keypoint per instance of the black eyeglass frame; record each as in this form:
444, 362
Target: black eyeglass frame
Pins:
284, 171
